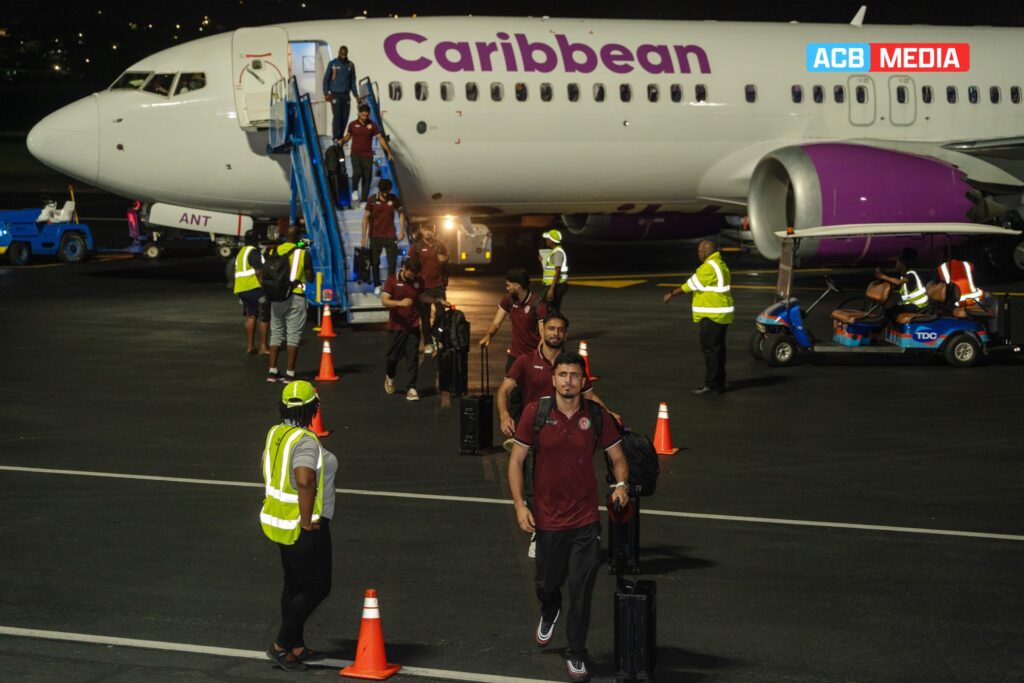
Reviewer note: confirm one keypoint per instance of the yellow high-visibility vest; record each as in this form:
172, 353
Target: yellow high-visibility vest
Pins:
245, 275
712, 291
280, 514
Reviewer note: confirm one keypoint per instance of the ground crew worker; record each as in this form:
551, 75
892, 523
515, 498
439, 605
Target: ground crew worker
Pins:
298, 475
288, 317
339, 81
961, 274
563, 513
913, 295
250, 294
556, 269
712, 310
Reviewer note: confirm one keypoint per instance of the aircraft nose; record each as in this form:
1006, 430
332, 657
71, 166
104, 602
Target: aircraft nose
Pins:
68, 140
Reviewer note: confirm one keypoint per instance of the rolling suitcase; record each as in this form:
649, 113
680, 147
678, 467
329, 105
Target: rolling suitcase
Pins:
477, 413
624, 538
635, 626
362, 264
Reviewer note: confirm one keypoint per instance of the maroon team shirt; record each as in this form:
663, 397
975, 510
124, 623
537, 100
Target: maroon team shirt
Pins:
564, 490
362, 137
407, 318
524, 316
532, 373
431, 270
381, 210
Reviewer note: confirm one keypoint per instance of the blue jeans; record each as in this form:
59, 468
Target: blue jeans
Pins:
340, 104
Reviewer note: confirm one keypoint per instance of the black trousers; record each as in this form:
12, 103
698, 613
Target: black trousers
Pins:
390, 247
425, 324
576, 555
712, 345
340, 107
404, 344
362, 176
556, 298
307, 581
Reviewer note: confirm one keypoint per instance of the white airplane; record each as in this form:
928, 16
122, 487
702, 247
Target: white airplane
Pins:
637, 123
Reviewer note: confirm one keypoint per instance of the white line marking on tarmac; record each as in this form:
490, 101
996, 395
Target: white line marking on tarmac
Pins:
246, 654
503, 501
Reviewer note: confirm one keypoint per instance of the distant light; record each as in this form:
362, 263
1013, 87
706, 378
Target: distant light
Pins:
364, 13
99, 11
114, 46
87, 60
56, 67
177, 26
80, 35
449, 223
149, 25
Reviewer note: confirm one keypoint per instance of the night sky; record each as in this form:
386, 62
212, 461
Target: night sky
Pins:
86, 45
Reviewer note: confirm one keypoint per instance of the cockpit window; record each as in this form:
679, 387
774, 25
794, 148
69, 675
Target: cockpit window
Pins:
160, 84
131, 80
190, 82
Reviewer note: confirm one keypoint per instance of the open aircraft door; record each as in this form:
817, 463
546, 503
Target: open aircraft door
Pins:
259, 58
321, 107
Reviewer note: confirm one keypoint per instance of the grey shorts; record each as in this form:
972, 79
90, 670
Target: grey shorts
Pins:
287, 320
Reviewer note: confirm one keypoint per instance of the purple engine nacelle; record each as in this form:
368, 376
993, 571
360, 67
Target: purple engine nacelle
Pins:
825, 184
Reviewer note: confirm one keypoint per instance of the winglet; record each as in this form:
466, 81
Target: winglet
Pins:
858, 19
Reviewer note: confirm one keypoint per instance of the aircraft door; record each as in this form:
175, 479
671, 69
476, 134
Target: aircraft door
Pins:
862, 100
259, 58
902, 103
321, 107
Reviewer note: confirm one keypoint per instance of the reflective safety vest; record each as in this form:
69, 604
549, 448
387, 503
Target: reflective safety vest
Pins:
712, 293
245, 274
280, 515
298, 262
961, 274
549, 266
918, 296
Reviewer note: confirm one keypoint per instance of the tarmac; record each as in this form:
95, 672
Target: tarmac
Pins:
842, 520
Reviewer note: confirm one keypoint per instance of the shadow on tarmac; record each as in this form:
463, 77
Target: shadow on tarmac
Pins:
661, 560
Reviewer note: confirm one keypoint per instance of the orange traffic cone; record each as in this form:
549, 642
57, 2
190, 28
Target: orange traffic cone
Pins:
586, 361
371, 662
662, 434
326, 365
326, 326
318, 425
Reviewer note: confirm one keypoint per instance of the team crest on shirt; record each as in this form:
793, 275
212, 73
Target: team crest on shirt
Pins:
584, 423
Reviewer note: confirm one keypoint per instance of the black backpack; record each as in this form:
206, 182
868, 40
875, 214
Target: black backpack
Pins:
276, 276
453, 331
643, 462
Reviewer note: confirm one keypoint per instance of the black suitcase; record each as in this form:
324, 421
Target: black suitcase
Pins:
477, 414
362, 264
624, 537
635, 626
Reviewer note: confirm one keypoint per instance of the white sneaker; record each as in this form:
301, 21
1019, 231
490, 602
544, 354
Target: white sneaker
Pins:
376, 290
389, 385
412, 395
532, 552
428, 350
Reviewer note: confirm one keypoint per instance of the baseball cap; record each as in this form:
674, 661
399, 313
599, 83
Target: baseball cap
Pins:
298, 393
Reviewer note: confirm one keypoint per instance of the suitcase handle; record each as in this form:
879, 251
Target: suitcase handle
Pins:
485, 371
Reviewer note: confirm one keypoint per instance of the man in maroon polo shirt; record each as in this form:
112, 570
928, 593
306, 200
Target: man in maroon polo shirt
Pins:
379, 225
362, 132
432, 255
564, 512
401, 296
531, 373
524, 309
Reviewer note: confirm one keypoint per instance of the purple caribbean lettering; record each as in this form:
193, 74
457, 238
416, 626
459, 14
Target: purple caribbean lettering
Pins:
391, 50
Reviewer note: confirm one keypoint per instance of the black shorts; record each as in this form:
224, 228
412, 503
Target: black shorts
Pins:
255, 304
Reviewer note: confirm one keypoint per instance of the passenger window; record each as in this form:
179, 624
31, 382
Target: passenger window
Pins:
160, 84
676, 92
994, 94
702, 93
951, 94
497, 92
447, 91
819, 94
573, 92
862, 94
395, 91
972, 94
926, 94
190, 82
625, 92
545, 92
750, 92
130, 80
472, 92
1015, 94
421, 91
652, 93
797, 93
839, 94
521, 92
598, 92
901, 94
